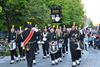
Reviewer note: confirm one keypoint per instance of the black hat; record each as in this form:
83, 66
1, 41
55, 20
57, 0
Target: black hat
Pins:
29, 26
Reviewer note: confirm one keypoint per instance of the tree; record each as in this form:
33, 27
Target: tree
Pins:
18, 12
38, 13
72, 10
12, 11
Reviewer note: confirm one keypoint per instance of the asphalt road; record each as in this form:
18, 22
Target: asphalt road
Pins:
90, 58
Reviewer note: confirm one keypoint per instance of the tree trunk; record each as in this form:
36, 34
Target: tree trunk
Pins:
7, 16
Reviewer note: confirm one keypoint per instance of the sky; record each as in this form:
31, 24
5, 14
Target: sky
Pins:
92, 9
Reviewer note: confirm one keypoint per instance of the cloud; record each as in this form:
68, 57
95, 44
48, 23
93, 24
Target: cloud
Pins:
92, 10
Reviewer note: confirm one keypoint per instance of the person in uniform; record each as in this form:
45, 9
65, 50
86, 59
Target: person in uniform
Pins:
45, 44
19, 41
60, 42
37, 39
79, 48
12, 45
74, 39
30, 45
82, 36
51, 37
65, 37
49, 27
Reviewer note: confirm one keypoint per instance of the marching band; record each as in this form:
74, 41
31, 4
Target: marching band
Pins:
13, 45
54, 43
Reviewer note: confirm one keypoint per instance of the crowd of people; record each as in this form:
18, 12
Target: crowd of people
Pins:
54, 43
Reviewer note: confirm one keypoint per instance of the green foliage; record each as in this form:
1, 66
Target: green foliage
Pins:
72, 10
0, 9
38, 13
18, 12
12, 11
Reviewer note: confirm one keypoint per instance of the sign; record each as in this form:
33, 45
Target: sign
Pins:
56, 14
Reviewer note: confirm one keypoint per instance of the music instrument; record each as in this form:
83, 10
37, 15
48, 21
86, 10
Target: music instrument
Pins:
53, 47
44, 36
12, 45
60, 43
79, 47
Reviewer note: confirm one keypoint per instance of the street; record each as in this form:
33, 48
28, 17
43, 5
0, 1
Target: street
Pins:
90, 58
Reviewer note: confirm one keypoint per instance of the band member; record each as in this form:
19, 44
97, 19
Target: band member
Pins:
19, 41
45, 44
51, 37
60, 39
12, 45
38, 34
29, 40
79, 48
49, 27
74, 39
82, 36
65, 36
